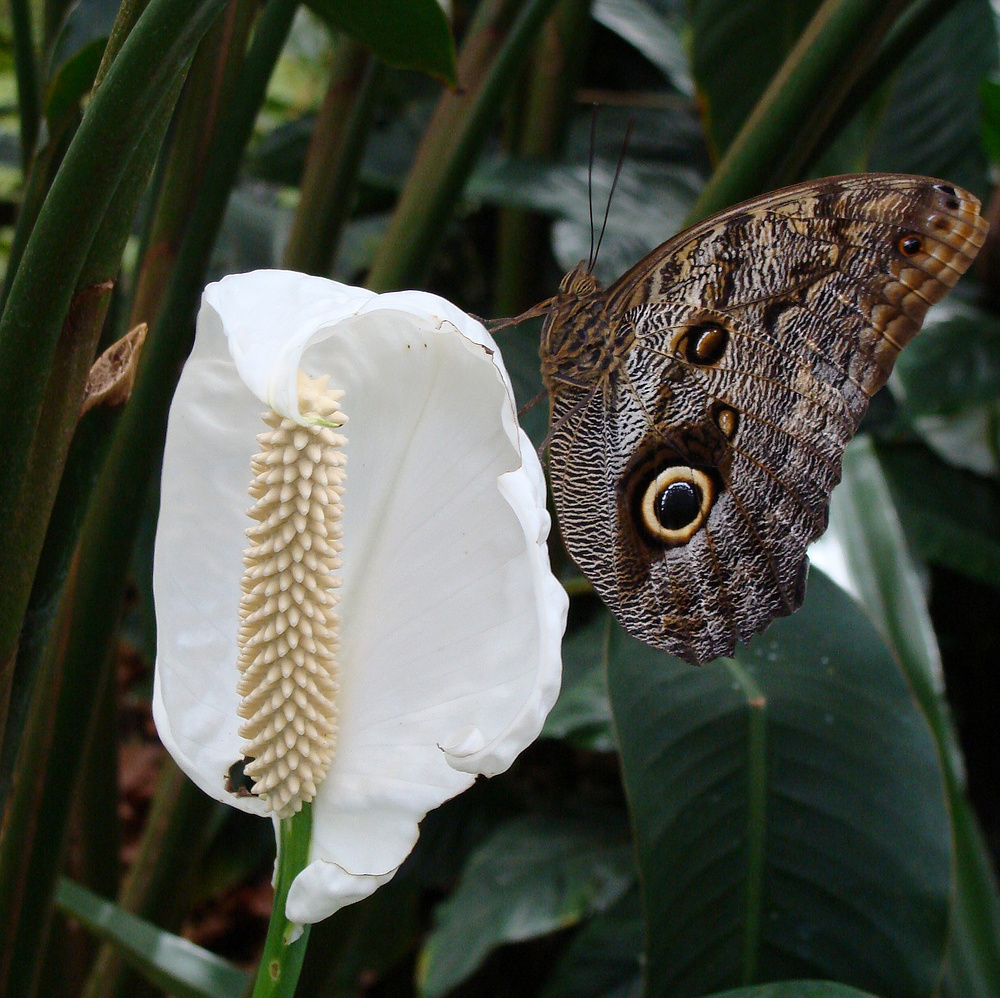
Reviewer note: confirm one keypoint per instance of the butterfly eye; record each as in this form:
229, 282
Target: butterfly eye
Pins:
676, 503
910, 245
703, 344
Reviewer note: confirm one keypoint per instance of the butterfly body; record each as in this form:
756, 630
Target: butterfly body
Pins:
701, 405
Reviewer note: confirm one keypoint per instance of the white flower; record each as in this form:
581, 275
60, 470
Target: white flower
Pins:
450, 619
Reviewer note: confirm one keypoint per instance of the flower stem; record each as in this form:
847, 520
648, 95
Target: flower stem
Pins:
281, 961
836, 47
493, 51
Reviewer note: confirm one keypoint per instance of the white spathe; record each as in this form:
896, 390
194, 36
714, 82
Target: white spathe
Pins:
451, 620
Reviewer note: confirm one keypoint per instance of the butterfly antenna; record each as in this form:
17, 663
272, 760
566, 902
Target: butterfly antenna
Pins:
590, 182
614, 185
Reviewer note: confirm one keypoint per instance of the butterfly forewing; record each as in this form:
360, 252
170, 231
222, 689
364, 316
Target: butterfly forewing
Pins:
701, 406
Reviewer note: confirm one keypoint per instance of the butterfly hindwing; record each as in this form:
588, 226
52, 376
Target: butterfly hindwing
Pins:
701, 406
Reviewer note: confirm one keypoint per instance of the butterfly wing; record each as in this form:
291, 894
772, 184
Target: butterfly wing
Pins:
691, 479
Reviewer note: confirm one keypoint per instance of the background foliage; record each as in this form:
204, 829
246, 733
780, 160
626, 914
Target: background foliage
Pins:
815, 810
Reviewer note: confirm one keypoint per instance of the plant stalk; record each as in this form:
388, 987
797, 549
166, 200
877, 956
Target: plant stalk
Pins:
285, 946
836, 47
497, 43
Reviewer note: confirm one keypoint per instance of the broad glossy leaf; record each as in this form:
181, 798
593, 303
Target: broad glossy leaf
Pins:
531, 877
582, 713
883, 571
409, 34
363, 941
795, 989
951, 517
605, 959
974, 951
655, 35
931, 122
953, 365
176, 965
736, 47
650, 203
789, 809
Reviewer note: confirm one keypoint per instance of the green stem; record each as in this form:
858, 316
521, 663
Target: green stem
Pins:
44, 166
208, 92
128, 14
41, 292
541, 130
281, 961
60, 473
26, 68
167, 856
494, 48
802, 98
85, 624
335, 151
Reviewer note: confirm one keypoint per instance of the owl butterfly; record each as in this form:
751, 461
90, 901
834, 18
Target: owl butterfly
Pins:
701, 405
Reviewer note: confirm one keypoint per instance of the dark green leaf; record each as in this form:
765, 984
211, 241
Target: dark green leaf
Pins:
656, 36
582, 713
951, 517
361, 942
650, 203
974, 950
795, 989
77, 54
531, 877
171, 963
789, 808
606, 956
885, 576
863, 512
989, 94
736, 47
410, 34
954, 364
931, 124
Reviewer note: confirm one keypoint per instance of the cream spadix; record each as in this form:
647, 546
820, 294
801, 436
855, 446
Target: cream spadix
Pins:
450, 620
288, 629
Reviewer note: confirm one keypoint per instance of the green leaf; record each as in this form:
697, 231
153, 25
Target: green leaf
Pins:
931, 123
736, 47
655, 35
531, 877
953, 365
989, 95
408, 34
173, 964
77, 54
789, 809
605, 959
650, 203
888, 582
951, 517
974, 951
796, 989
362, 941
882, 569
582, 714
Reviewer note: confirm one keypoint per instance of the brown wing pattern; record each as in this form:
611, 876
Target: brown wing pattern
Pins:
692, 457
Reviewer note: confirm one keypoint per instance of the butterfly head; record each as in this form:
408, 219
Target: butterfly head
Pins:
579, 283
